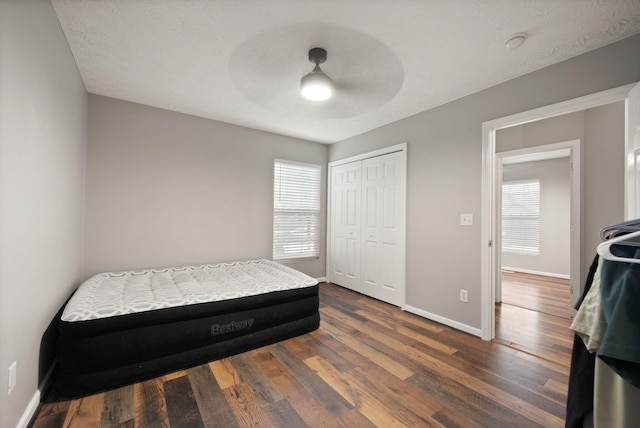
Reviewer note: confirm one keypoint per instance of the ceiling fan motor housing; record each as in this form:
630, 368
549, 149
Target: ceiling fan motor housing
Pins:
317, 55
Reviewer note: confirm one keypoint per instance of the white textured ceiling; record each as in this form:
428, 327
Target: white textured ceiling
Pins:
240, 61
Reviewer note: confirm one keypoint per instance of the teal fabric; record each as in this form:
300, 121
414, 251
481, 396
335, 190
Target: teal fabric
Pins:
620, 289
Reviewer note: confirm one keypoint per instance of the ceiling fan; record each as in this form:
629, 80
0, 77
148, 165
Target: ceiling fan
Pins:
316, 85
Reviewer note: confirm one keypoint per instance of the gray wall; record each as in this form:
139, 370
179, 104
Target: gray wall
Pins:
43, 108
555, 205
603, 175
601, 133
168, 189
445, 171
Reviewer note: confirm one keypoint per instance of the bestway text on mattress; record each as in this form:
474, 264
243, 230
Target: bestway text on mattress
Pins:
217, 329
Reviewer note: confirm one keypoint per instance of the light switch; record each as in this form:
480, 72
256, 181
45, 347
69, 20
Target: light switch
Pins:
466, 219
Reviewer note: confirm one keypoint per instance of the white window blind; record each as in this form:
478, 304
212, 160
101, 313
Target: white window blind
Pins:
521, 217
296, 210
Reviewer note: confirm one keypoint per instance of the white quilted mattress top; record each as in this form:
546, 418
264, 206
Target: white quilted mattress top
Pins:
119, 293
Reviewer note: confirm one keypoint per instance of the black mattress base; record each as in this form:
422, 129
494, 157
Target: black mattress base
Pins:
76, 385
100, 354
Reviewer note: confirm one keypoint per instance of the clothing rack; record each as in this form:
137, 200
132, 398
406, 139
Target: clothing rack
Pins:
604, 249
604, 383
624, 227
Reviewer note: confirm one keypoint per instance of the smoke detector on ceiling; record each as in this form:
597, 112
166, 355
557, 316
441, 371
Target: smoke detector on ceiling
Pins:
515, 41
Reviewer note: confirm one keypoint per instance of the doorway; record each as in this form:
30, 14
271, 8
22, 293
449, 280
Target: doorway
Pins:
538, 214
534, 209
490, 268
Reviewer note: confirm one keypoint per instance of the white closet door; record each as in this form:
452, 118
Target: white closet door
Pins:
382, 199
345, 225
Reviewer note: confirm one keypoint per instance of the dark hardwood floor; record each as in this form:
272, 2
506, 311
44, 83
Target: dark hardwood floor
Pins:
369, 364
534, 316
539, 293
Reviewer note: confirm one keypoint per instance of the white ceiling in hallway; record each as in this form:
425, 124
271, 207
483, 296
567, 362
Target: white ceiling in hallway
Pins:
241, 61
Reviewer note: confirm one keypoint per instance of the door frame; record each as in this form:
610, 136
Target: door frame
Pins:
488, 258
570, 149
402, 147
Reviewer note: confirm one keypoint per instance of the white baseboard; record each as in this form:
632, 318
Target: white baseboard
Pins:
446, 321
322, 279
35, 400
537, 272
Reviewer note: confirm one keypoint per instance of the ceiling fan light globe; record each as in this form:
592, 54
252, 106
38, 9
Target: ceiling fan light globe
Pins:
316, 86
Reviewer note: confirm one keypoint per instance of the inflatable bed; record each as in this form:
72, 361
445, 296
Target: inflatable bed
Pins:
120, 328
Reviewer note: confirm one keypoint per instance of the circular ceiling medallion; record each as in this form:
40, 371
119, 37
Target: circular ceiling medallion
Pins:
267, 69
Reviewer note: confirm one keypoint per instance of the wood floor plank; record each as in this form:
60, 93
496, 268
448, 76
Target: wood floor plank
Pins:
53, 420
509, 371
536, 292
352, 338
418, 321
316, 341
224, 372
85, 412
414, 354
150, 404
517, 329
118, 406
376, 373
52, 408
182, 407
469, 404
384, 313
390, 343
404, 404
535, 393
302, 401
448, 418
489, 392
284, 415
246, 406
353, 418
250, 374
339, 304
214, 409
529, 392
373, 409
301, 349
332, 377
418, 336
559, 387
174, 375
329, 398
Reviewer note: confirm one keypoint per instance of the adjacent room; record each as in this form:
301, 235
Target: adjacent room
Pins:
290, 213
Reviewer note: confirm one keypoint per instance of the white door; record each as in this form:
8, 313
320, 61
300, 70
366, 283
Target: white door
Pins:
382, 266
633, 154
345, 225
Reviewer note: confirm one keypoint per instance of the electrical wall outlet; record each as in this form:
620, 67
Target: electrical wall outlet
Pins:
464, 295
466, 219
11, 382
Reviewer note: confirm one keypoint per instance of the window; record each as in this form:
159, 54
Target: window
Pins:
521, 217
296, 210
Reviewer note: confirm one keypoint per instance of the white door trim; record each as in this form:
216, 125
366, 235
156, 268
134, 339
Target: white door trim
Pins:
402, 147
632, 142
488, 218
